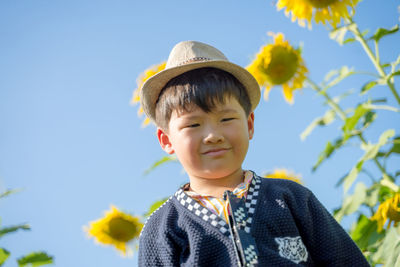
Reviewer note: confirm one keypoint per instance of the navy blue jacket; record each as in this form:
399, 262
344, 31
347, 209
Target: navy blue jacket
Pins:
289, 225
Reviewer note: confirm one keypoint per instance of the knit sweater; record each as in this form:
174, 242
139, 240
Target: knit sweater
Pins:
289, 225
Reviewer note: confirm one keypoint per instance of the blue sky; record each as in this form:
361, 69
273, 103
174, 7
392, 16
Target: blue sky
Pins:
71, 140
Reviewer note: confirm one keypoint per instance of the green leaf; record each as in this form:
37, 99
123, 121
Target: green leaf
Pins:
394, 149
356, 199
328, 118
396, 73
337, 76
327, 152
384, 193
340, 181
368, 118
352, 121
388, 182
365, 32
377, 100
330, 74
338, 34
7, 230
4, 254
160, 162
349, 40
372, 195
365, 232
385, 65
351, 177
383, 32
9, 192
353, 202
381, 154
155, 206
382, 107
389, 251
396, 146
371, 151
340, 97
366, 87
35, 259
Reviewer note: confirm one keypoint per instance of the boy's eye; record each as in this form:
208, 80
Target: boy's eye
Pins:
193, 125
227, 119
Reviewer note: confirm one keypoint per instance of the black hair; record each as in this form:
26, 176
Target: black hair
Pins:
203, 87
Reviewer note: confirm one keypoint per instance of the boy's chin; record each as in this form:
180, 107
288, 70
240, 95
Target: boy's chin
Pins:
214, 174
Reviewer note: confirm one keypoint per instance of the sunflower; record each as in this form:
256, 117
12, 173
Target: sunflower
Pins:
388, 210
115, 228
140, 81
279, 64
331, 11
284, 174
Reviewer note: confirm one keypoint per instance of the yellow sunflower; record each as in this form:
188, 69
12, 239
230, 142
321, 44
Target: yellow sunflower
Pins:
388, 210
140, 81
279, 64
115, 228
284, 174
331, 11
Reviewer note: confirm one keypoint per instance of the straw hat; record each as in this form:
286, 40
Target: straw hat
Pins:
190, 55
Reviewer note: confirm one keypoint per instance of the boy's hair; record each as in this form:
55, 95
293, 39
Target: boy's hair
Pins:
203, 87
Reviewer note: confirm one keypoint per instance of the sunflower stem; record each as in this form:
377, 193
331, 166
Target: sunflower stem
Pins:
374, 59
378, 164
342, 116
332, 103
377, 52
369, 175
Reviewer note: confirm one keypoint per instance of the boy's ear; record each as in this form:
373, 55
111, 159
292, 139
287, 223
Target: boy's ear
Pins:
164, 141
250, 124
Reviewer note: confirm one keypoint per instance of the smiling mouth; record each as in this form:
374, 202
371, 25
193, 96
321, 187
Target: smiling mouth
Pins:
216, 152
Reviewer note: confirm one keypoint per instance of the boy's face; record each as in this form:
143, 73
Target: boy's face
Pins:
209, 145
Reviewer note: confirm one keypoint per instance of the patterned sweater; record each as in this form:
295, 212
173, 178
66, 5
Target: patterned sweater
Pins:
288, 223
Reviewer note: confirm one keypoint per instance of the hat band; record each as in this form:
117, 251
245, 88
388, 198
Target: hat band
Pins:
194, 60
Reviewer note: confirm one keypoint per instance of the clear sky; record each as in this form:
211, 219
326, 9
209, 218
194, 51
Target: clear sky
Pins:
70, 138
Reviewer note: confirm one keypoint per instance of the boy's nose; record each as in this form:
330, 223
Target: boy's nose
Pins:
213, 137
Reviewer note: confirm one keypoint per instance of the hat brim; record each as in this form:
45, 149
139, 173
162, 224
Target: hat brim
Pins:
153, 86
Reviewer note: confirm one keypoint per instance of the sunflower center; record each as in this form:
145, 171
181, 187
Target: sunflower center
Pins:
121, 229
394, 213
321, 3
282, 66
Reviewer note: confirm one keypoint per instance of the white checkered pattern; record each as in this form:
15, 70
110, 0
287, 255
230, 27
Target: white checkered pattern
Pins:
202, 212
250, 255
239, 215
241, 220
281, 203
251, 201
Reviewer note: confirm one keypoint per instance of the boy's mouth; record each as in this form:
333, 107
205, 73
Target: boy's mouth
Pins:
216, 151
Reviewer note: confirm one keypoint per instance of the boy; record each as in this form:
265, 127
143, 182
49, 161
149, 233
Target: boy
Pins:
203, 107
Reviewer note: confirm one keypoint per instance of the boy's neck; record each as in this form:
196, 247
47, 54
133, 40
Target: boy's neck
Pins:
216, 187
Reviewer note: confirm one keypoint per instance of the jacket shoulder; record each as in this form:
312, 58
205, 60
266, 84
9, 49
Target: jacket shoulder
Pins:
158, 220
283, 185
292, 192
